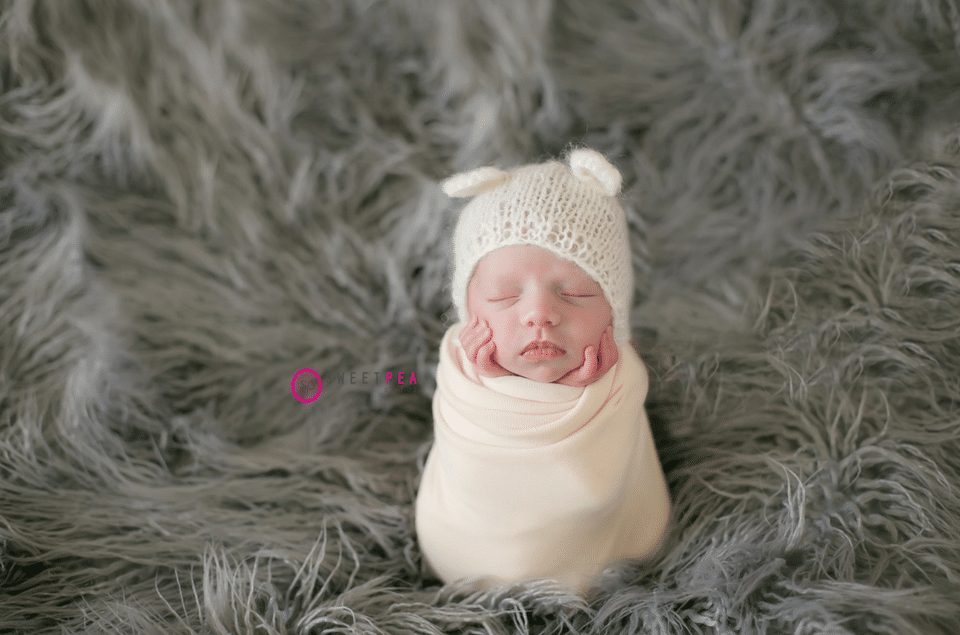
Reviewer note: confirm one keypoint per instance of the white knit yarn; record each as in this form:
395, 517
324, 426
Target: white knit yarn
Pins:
571, 211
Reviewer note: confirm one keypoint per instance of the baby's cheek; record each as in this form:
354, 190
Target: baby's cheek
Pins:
499, 338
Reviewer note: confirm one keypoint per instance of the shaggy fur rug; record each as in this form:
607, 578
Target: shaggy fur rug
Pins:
198, 199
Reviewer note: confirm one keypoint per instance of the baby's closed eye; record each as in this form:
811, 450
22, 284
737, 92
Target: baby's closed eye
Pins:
505, 296
515, 296
576, 290
579, 300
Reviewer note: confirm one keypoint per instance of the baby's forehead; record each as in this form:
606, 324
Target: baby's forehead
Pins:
509, 264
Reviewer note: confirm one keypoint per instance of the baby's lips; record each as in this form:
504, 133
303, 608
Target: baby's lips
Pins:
544, 353
553, 348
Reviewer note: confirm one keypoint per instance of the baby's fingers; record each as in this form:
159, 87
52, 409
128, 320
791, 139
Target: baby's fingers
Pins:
475, 336
486, 364
609, 352
590, 363
584, 374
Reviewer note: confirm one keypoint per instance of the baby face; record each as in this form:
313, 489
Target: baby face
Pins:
543, 310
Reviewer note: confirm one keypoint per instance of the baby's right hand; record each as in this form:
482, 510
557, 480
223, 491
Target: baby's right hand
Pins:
477, 342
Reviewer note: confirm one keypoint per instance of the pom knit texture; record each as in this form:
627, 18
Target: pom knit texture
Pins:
568, 212
201, 198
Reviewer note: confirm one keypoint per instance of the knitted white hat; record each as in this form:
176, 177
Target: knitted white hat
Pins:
573, 212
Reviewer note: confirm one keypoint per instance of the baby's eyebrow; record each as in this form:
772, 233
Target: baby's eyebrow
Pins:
506, 278
579, 278
586, 284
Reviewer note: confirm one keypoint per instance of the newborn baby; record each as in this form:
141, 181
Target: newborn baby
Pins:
543, 465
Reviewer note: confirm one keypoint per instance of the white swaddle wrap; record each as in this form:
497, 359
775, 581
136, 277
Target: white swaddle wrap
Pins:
531, 480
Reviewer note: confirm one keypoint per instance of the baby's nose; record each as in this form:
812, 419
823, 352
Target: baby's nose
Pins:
540, 310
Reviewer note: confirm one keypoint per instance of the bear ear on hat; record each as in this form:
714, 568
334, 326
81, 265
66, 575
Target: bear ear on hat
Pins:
592, 167
473, 182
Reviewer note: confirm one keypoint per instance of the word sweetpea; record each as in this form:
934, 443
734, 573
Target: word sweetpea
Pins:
401, 378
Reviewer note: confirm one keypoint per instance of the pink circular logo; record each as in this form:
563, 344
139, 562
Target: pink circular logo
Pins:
293, 385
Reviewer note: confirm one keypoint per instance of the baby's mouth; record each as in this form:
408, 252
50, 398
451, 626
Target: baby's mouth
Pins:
540, 350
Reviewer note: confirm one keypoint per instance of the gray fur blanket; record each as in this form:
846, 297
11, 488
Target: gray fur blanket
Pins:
199, 199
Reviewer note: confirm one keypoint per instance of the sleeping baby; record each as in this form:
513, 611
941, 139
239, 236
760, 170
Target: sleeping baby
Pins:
543, 465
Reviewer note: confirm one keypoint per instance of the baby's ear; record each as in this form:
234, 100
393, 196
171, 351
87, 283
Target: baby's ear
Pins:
591, 167
473, 182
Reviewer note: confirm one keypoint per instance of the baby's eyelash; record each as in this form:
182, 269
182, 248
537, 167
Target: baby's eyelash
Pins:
566, 295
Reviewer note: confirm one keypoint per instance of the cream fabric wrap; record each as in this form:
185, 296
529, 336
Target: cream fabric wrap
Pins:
530, 480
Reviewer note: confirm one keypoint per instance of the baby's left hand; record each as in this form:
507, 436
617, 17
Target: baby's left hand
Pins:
476, 339
595, 363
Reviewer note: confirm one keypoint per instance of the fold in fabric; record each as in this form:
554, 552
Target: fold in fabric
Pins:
529, 480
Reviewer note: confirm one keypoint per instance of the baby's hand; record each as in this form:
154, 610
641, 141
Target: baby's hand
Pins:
595, 363
477, 342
